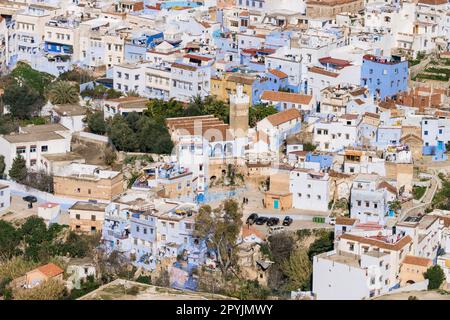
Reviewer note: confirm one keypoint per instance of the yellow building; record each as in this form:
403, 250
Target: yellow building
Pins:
222, 87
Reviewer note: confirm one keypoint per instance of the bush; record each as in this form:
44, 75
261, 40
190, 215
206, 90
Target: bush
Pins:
435, 276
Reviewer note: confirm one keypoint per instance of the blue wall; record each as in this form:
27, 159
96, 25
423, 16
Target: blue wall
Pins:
325, 160
387, 79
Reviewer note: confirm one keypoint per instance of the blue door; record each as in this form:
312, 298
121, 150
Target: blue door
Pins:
275, 204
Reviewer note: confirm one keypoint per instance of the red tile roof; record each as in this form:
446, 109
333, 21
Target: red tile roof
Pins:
323, 71
197, 57
286, 97
418, 261
345, 221
50, 270
278, 73
284, 116
379, 243
433, 2
339, 63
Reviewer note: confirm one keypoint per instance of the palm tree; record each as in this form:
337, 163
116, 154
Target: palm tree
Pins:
63, 92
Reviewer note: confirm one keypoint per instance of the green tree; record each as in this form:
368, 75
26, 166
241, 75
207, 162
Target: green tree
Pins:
2, 165
297, 268
159, 110
122, 135
76, 75
435, 276
23, 101
63, 92
9, 240
18, 171
395, 205
307, 146
153, 137
96, 122
323, 244
221, 228
259, 112
25, 76
36, 239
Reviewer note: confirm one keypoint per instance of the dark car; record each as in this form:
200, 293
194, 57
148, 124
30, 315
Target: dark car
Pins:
287, 221
30, 199
261, 220
252, 218
273, 221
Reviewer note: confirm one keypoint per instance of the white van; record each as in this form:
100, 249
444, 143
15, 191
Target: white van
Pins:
276, 229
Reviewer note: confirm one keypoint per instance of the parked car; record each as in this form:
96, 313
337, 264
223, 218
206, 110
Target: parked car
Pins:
272, 221
252, 218
287, 221
332, 221
261, 220
276, 229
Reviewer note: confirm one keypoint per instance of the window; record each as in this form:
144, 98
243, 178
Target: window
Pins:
32, 148
351, 246
308, 196
319, 197
358, 203
44, 148
172, 225
425, 132
77, 216
163, 237
145, 230
93, 217
137, 228
21, 150
367, 204
375, 205
188, 226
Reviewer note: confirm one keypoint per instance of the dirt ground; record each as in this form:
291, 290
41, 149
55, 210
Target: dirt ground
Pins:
18, 210
421, 295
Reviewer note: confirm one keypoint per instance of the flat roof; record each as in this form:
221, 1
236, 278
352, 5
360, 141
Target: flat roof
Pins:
89, 206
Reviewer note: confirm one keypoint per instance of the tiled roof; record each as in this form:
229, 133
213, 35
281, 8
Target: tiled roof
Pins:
433, 2
418, 261
323, 71
278, 73
339, 63
197, 57
183, 66
50, 270
379, 243
284, 116
286, 97
345, 221
389, 187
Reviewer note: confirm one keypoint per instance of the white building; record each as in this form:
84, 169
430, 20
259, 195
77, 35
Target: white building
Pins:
310, 190
363, 265
273, 130
48, 211
370, 197
335, 134
124, 106
5, 198
33, 142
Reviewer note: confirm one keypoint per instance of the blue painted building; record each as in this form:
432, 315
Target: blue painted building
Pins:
143, 235
325, 160
116, 232
385, 77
